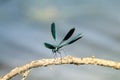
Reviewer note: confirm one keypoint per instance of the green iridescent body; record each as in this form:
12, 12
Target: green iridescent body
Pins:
55, 48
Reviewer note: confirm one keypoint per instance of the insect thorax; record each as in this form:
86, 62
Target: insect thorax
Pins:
55, 50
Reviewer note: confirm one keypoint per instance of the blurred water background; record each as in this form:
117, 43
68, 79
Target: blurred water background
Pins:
25, 26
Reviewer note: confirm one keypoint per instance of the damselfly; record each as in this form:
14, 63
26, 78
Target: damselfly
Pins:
64, 42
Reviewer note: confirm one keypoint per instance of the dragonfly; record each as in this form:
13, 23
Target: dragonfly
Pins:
64, 42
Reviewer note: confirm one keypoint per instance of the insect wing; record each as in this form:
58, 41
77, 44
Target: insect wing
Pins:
68, 35
72, 41
53, 30
50, 46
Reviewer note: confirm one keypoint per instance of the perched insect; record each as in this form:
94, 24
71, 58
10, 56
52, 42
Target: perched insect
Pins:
55, 48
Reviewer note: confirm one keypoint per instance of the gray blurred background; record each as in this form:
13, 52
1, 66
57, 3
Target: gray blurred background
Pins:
25, 26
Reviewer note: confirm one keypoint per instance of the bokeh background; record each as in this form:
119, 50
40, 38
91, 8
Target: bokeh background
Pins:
25, 26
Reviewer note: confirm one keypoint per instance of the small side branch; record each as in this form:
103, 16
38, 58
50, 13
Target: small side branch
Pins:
60, 61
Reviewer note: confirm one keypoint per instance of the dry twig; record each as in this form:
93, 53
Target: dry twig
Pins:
59, 61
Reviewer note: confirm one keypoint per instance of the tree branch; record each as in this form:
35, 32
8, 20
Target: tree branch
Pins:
59, 61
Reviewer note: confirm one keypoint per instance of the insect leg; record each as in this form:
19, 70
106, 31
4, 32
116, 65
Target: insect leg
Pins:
63, 51
54, 54
60, 56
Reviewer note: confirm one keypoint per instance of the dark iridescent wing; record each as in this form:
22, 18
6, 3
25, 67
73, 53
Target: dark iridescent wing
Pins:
72, 41
50, 46
53, 30
68, 35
